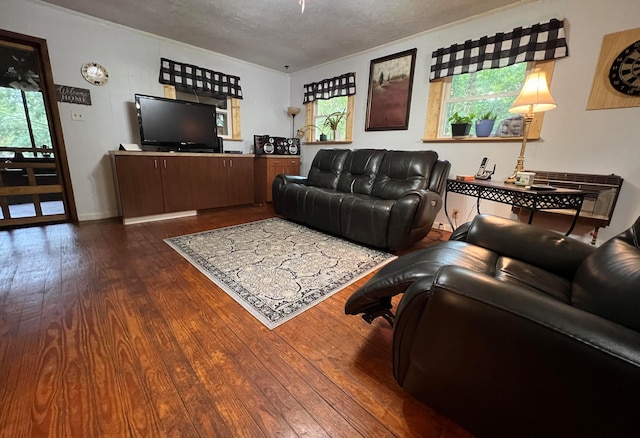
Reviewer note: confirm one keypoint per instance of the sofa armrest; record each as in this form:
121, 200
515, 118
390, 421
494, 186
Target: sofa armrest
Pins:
531, 244
421, 205
411, 217
542, 367
286, 179
439, 175
279, 186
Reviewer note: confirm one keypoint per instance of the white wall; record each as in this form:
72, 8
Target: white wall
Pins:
133, 61
574, 140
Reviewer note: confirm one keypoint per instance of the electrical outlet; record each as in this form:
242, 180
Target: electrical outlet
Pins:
77, 115
454, 215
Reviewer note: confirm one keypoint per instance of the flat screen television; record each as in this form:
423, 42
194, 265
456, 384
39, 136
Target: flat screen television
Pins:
176, 125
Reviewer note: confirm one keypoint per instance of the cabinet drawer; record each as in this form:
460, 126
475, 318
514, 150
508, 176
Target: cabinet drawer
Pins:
284, 162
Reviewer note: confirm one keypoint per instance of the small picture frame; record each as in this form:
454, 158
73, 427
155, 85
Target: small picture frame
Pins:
511, 127
390, 86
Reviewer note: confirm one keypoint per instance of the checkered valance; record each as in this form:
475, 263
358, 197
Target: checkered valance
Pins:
536, 43
344, 85
190, 78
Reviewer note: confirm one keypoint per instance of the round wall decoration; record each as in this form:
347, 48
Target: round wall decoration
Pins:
94, 73
616, 83
625, 70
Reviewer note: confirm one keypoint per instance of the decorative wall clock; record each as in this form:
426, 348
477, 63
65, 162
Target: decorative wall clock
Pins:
94, 73
625, 70
616, 83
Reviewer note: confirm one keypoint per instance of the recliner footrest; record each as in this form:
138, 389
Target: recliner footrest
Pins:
383, 309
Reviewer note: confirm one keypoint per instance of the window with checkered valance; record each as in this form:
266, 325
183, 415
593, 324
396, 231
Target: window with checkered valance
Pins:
344, 85
539, 42
190, 78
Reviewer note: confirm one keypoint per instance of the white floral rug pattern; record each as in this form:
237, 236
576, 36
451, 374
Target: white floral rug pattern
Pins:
277, 269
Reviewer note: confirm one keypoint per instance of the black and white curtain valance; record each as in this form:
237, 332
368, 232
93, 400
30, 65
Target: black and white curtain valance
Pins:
190, 78
344, 85
539, 42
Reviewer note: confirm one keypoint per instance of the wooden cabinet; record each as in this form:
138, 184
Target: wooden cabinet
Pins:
167, 183
266, 169
240, 176
234, 185
140, 185
187, 182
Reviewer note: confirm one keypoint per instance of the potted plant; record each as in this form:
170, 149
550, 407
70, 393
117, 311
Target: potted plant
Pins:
460, 124
300, 133
484, 124
333, 122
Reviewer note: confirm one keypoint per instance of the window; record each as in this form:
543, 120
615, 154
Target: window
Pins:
334, 107
486, 90
19, 129
317, 113
480, 92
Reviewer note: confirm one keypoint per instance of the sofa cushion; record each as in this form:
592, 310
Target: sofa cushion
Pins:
401, 171
360, 170
608, 283
536, 279
326, 168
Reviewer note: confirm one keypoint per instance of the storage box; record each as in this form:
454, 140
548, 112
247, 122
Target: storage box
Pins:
525, 178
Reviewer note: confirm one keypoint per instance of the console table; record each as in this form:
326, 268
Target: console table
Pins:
517, 196
161, 185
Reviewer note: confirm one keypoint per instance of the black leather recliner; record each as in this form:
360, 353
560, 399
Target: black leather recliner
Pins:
514, 330
382, 198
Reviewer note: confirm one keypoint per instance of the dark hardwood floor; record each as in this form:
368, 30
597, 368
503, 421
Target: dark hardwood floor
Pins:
105, 331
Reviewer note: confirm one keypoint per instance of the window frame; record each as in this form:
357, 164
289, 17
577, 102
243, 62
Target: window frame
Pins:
310, 116
435, 107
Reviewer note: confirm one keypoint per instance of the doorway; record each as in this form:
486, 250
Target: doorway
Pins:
35, 186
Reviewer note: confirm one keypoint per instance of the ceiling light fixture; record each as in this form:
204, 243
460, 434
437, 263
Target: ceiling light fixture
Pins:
301, 3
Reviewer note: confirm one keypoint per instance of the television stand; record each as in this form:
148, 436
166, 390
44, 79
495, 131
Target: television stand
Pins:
160, 183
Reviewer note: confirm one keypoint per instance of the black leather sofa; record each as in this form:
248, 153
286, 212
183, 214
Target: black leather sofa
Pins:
512, 330
381, 198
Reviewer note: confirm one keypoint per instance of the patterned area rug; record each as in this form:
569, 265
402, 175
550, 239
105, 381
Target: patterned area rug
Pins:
277, 269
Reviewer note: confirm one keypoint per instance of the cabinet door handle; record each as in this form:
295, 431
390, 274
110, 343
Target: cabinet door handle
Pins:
230, 163
165, 163
224, 163
155, 163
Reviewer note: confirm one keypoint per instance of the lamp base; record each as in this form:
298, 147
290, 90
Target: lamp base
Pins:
528, 118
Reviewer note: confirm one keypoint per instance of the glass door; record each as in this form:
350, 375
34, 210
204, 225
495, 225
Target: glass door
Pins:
32, 187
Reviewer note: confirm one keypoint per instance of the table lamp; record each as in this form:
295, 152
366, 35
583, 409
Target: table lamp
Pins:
533, 98
293, 111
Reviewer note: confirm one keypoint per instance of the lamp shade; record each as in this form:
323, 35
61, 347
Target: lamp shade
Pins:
534, 96
293, 110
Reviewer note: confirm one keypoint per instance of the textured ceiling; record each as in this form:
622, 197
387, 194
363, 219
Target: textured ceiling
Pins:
274, 33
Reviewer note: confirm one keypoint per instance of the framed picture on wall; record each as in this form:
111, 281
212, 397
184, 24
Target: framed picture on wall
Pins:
390, 84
